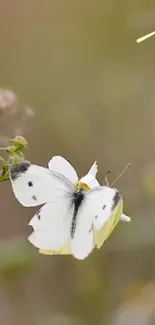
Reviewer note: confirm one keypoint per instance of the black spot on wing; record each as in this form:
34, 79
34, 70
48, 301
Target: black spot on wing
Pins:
17, 169
38, 216
34, 197
116, 199
104, 206
30, 183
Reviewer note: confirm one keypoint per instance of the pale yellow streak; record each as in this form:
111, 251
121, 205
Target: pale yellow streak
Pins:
143, 38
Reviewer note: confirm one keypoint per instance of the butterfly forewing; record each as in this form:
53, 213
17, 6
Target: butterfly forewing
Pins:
37, 185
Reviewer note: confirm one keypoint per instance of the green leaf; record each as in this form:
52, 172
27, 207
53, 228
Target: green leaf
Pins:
15, 155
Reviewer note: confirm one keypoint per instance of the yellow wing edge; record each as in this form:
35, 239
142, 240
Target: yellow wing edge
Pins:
65, 250
100, 236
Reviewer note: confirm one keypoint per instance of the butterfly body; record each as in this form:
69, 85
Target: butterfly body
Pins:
78, 197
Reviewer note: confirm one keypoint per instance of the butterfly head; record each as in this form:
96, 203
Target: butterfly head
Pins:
82, 187
79, 194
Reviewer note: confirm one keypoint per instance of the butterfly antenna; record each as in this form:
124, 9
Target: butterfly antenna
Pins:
143, 38
106, 182
120, 175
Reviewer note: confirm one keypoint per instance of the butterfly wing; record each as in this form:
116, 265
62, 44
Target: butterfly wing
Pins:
62, 166
82, 243
98, 207
108, 199
52, 230
101, 235
35, 185
65, 250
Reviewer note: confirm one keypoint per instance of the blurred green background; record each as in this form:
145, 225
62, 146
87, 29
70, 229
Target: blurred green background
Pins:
92, 92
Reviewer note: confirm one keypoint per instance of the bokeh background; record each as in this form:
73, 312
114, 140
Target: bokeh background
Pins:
74, 82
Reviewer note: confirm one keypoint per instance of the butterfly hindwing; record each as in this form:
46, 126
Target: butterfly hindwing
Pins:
52, 229
82, 242
64, 250
101, 235
107, 199
96, 209
99, 215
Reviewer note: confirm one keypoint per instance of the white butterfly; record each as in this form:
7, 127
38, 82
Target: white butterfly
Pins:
73, 209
